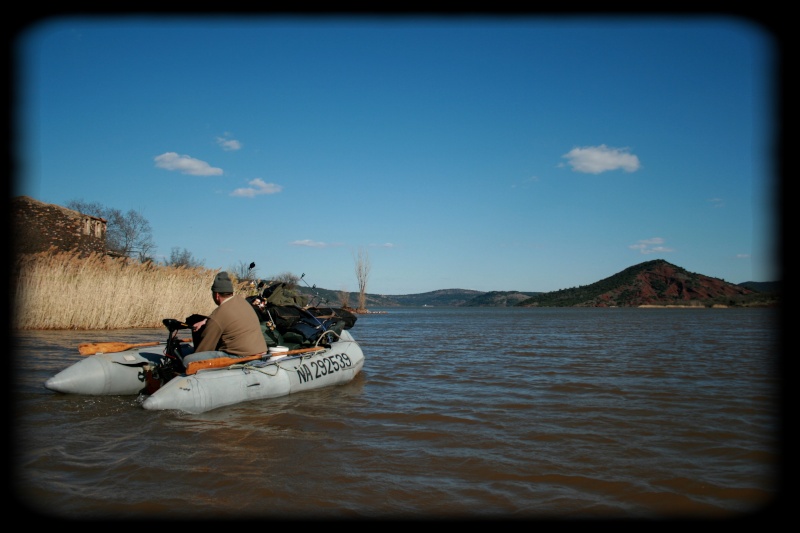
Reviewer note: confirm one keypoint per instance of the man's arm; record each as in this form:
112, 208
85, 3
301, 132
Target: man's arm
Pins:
212, 334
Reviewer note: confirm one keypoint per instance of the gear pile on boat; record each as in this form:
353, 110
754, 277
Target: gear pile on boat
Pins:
309, 348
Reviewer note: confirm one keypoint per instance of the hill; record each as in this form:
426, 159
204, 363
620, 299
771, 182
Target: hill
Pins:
440, 298
773, 287
657, 283
500, 299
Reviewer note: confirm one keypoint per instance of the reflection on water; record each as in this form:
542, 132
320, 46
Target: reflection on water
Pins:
643, 413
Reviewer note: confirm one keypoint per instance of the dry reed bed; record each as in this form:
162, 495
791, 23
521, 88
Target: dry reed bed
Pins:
59, 290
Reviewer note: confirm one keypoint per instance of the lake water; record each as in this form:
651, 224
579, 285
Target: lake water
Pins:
459, 413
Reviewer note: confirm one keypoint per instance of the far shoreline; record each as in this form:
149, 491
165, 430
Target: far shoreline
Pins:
672, 306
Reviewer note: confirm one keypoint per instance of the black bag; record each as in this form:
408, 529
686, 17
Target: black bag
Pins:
308, 330
284, 316
337, 313
296, 326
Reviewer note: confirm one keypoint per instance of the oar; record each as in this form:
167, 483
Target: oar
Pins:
91, 348
222, 362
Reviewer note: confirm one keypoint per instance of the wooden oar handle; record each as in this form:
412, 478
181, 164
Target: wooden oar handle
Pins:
91, 348
222, 362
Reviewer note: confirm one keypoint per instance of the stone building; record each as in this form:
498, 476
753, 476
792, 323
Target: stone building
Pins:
38, 226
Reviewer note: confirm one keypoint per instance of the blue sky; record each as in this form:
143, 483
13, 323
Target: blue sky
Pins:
525, 153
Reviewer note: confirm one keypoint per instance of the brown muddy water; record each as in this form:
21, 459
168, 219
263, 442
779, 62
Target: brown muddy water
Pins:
458, 414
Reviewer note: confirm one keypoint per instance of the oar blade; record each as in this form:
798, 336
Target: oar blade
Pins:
91, 348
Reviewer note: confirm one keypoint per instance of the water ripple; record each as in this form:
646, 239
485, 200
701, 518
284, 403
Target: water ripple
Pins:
512, 413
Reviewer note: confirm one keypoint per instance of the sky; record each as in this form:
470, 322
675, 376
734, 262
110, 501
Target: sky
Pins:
521, 153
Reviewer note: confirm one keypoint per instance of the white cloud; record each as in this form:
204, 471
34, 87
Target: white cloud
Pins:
384, 245
313, 244
597, 159
229, 144
717, 202
186, 165
257, 187
651, 246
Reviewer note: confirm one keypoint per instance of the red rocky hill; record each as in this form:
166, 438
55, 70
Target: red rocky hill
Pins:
656, 283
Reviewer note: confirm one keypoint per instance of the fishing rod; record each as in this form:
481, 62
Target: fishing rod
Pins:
313, 289
249, 275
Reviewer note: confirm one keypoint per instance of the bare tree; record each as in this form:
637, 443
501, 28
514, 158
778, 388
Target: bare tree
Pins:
182, 258
362, 275
344, 298
94, 209
128, 234
244, 272
244, 277
291, 280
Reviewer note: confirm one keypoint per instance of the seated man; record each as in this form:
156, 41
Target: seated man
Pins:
232, 329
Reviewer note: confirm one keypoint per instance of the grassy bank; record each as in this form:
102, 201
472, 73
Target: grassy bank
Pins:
52, 290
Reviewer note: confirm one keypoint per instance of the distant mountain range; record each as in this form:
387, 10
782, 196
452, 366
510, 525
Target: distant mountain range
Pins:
653, 283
